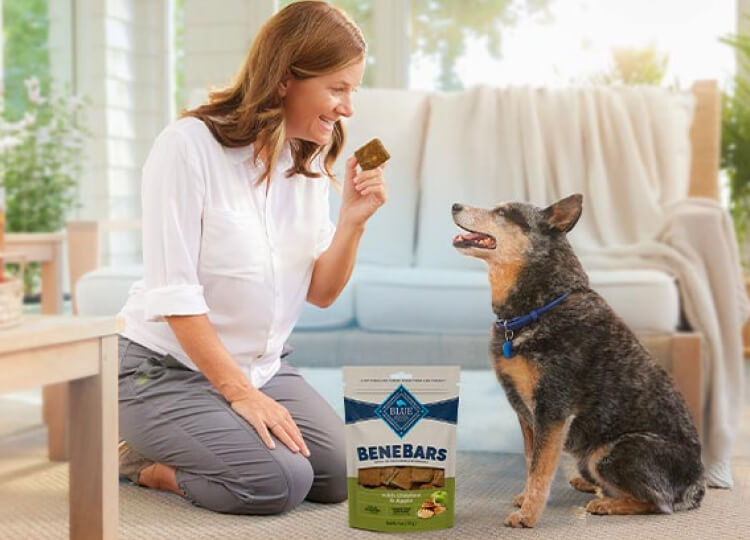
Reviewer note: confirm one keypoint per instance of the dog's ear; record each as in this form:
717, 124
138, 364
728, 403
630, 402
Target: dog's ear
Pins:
564, 214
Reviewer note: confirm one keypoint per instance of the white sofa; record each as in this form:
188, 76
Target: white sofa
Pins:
413, 298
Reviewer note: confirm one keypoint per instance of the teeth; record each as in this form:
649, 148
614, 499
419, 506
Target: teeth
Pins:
478, 239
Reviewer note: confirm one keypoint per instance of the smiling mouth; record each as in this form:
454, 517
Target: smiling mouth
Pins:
328, 124
474, 240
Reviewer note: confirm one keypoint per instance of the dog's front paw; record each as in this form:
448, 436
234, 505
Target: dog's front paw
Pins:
582, 485
600, 507
519, 520
518, 499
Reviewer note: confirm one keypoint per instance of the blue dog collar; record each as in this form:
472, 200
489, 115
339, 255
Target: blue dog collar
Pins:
509, 326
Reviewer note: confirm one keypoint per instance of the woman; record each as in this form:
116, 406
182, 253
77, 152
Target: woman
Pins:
236, 236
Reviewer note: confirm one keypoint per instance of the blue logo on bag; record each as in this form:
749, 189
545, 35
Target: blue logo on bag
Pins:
401, 411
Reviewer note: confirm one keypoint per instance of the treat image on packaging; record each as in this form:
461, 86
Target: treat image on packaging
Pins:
401, 446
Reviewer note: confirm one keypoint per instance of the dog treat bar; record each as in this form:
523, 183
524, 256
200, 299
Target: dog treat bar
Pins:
405, 477
372, 155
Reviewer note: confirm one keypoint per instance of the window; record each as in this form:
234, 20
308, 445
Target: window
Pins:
178, 37
562, 42
453, 41
25, 51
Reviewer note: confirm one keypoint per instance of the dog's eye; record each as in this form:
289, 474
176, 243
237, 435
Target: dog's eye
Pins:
515, 216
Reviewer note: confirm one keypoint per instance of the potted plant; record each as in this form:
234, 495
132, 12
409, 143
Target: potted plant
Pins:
735, 140
735, 152
41, 161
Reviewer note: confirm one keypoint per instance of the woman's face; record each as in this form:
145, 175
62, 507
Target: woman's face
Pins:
311, 106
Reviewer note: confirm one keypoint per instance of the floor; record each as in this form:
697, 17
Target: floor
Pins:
23, 437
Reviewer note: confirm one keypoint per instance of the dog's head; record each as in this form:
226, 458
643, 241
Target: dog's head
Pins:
515, 236
509, 231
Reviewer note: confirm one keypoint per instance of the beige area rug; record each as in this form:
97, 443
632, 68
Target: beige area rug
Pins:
33, 505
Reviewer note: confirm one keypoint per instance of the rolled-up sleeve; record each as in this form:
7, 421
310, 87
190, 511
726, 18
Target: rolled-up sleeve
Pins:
173, 192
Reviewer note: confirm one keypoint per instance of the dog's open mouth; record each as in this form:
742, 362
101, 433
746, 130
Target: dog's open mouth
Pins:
474, 239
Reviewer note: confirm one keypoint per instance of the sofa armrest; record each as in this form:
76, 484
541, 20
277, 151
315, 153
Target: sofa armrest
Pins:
85, 246
705, 133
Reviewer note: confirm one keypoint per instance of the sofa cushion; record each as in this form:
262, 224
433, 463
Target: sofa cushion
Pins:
389, 238
458, 301
104, 291
337, 315
422, 300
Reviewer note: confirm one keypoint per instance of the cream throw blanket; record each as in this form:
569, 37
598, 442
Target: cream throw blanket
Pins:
628, 151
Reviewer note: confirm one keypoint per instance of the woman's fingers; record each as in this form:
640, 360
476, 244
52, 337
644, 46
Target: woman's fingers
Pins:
379, 191
368, 175
297, 437
288, 433
273, 418
351, 168
362, 186
280, 430
262, 430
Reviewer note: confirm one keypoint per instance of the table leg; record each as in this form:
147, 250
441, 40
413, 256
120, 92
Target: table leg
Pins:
93, 450
687, 370
52, 296
55, 415
54, 396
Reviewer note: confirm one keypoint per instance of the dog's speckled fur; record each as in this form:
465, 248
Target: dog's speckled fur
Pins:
580, 380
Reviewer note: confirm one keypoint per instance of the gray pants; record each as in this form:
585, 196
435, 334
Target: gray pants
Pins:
175, 416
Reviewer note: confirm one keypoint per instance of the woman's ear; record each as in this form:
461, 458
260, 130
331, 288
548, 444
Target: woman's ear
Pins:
284, 86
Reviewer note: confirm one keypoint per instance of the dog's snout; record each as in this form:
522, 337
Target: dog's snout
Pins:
457, 208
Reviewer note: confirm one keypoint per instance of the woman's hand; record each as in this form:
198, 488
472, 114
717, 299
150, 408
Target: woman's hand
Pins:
363, 194
267, 416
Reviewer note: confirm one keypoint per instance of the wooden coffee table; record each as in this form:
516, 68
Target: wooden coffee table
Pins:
83, 350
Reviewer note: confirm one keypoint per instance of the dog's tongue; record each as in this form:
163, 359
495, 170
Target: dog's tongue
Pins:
469, 237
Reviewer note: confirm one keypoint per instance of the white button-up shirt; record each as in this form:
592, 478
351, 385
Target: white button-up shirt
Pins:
217, 242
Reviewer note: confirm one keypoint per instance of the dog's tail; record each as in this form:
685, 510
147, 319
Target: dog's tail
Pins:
692, 496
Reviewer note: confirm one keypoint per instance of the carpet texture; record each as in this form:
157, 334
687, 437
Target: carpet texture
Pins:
33, 505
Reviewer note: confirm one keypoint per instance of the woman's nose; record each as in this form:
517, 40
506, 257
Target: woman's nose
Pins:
345, 107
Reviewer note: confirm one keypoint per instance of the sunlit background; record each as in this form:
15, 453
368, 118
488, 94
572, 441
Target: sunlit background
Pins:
572, 41
139, 63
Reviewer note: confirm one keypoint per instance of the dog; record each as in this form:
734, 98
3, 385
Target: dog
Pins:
575, 374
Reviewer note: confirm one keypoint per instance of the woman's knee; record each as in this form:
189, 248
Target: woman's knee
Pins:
272, 488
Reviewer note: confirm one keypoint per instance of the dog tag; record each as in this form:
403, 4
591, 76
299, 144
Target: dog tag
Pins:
508, 349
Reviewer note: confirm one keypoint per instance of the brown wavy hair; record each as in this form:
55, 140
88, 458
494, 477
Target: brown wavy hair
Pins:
303, 40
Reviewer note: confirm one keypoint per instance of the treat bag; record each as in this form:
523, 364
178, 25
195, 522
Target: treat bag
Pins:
401, 446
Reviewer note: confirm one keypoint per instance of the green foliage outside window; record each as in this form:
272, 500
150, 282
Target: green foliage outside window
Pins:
25, 51
634, 65
441, 29
41, 135
735, 136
